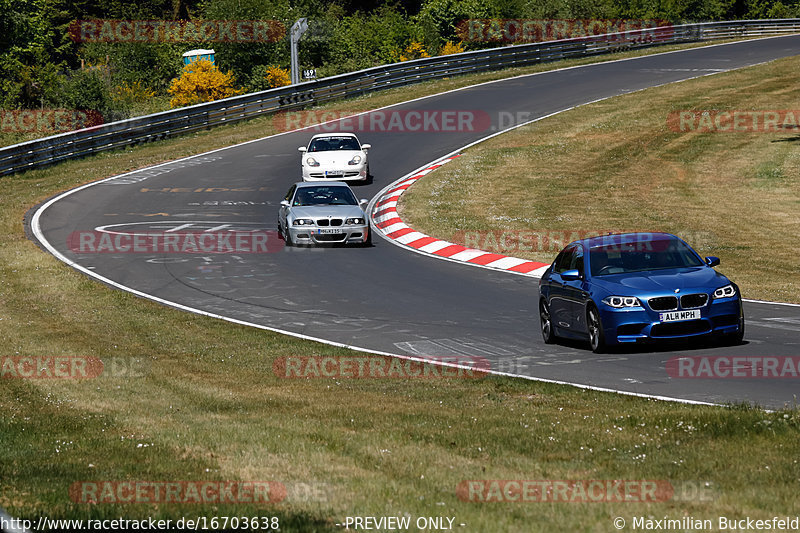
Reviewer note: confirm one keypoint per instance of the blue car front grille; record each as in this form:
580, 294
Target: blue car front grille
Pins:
663, 303
693, 301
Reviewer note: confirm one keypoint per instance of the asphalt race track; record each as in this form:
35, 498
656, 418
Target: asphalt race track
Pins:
384, 298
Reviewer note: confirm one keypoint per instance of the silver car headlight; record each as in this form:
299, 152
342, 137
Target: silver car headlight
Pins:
620, 302
356, 160
357, 220
312, 162
725, 292
303, 222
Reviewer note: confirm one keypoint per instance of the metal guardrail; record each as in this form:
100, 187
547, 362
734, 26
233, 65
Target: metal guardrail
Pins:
49, 150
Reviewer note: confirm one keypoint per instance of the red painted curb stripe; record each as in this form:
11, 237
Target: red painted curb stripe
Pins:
527, 267
399, 233
401, 188
485, 259
450, 249
387, 200
453, 249
389, 222
384, 211
422, 241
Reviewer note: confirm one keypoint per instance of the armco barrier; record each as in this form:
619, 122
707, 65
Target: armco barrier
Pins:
74, 144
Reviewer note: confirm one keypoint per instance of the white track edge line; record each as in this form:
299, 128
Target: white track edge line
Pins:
182, 307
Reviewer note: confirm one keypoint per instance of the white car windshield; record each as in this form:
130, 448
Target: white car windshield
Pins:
324, 195
333, 143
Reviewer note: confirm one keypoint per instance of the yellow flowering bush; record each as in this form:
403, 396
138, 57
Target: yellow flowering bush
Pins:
415, 50
201, 81
450, 48
277, 76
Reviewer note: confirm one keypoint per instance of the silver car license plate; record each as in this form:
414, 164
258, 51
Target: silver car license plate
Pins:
328, 231
678, 316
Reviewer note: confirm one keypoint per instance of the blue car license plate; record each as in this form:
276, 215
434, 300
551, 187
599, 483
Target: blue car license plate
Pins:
678, 316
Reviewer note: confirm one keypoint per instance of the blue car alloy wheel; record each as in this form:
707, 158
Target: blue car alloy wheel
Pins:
637, 287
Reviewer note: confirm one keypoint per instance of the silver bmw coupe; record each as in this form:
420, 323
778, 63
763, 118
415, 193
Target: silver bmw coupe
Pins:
323, 213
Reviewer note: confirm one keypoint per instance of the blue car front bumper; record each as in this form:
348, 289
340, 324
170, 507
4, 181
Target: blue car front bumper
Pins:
640, 324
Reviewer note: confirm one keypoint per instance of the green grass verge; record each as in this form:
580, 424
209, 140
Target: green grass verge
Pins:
208, 406
616, 165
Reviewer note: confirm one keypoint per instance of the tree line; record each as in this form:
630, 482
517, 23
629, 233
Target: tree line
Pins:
43, 65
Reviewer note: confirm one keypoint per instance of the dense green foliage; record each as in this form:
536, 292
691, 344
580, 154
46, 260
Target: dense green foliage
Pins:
42, 67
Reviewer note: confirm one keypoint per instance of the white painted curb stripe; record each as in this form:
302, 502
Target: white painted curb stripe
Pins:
385, 211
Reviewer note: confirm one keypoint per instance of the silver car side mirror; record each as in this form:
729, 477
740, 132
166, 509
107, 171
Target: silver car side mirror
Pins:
284, 203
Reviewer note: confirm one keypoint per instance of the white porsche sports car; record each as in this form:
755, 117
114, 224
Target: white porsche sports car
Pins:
335, 157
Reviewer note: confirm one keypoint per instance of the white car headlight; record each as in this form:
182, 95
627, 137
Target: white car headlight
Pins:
302, 222
620, 302
312, 162
356, 160
725, 292
357, 220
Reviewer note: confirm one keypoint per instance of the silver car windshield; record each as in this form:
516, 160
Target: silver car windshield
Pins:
324, 195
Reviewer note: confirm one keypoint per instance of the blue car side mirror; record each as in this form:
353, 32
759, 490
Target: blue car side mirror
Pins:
570, 275
712, 261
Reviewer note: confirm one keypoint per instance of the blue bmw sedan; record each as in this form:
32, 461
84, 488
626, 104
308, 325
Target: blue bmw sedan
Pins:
637, 287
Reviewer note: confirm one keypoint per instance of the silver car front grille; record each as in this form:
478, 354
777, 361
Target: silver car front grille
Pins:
325, 222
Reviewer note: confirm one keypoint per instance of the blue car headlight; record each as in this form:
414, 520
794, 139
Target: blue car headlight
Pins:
620, 302
725, 292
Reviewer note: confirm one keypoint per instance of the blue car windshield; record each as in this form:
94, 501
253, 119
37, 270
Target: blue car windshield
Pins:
640, 256
324, 195
332, 143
